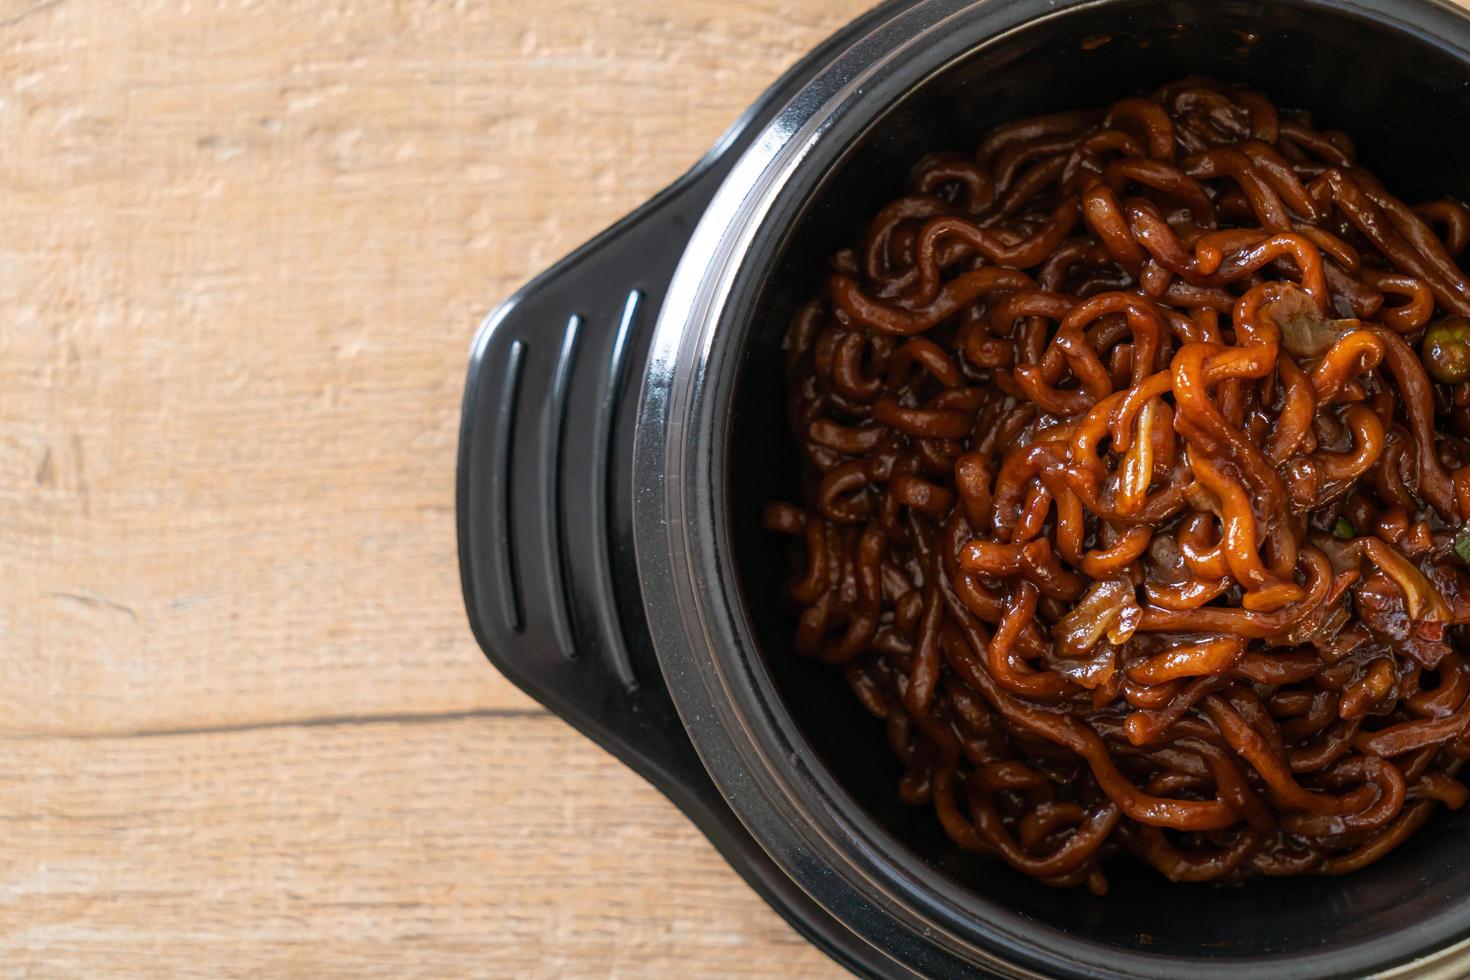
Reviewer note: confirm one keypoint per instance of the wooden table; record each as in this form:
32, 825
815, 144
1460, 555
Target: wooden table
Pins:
244, 729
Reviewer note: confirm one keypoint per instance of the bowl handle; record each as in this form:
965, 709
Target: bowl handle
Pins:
544, 501
553, 383
544, 513
545, 482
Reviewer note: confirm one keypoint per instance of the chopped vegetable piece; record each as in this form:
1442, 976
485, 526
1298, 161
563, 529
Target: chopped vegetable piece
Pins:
1462, 546
1446, 350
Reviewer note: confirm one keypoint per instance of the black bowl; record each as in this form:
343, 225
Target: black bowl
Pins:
563, 475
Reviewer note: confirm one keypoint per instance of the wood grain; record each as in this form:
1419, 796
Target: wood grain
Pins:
476, 847
243, 727
247, 248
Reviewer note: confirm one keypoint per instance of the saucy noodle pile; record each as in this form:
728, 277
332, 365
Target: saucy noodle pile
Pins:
1135, 487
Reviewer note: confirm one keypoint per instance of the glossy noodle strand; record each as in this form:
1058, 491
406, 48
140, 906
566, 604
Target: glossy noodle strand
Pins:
1135, 489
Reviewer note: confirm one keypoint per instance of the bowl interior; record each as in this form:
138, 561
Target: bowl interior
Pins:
1404, 99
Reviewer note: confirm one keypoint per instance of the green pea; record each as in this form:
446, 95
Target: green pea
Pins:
1446, 350
1462, 546
1343, 530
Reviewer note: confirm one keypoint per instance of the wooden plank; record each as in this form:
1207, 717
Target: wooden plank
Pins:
244, 252
496, 846
244, 249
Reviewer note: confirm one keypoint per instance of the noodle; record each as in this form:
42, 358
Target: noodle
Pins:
1130, 504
